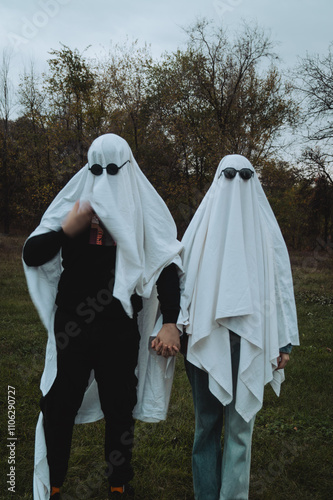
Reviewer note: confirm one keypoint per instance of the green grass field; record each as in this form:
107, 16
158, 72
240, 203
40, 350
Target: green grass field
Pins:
292, 446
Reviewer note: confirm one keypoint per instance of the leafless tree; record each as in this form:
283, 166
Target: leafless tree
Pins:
313, 83
6, 107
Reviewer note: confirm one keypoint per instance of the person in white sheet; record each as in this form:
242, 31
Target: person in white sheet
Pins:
238, 309
101, 246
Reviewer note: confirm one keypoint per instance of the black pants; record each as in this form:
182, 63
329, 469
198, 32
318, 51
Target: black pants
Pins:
110, 347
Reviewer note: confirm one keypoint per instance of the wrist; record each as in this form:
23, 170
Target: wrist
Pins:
67, 232
172, 326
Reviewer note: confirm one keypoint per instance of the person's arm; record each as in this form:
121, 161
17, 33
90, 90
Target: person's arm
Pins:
169, 293
41, 248
167, 341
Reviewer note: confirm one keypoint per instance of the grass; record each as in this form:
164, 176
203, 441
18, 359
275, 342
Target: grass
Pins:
292, 452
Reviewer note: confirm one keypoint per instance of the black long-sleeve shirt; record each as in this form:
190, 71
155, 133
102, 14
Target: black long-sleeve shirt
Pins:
87, 279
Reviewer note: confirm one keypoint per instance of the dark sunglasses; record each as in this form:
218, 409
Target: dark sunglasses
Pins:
230, 173
111, 168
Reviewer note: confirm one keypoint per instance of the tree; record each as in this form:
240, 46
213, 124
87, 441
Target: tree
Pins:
251, 107
290, 195
314, 83
6, 106
314, 86
33, 138
125, 71
211, 100
69, 85
322, 207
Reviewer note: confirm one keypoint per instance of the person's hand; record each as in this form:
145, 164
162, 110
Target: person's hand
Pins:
282, 360
78, 219
167, 343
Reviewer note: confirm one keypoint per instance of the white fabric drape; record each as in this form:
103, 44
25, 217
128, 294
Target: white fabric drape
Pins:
238, 278
145, 233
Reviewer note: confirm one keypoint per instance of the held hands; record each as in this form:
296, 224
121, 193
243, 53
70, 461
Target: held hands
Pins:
167, 341
282, 360
78, 219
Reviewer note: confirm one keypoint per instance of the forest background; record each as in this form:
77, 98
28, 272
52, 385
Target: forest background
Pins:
222, 94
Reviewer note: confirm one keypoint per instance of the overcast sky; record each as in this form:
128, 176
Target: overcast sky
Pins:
33, 27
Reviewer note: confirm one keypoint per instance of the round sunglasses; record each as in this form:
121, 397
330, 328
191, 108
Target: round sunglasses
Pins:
230, 173
111, 168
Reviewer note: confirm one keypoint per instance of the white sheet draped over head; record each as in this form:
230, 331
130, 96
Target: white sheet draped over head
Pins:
131, 210
238, 278
145, 234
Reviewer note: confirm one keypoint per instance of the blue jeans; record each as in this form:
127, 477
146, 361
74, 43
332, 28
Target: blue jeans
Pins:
218, 476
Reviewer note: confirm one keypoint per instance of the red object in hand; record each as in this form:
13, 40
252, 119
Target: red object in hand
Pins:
96, 232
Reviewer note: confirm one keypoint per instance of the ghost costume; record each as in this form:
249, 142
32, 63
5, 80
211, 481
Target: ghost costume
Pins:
238, 309
138, 222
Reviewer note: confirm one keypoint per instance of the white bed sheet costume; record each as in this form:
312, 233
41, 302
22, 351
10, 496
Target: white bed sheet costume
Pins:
238, 279
145, 233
